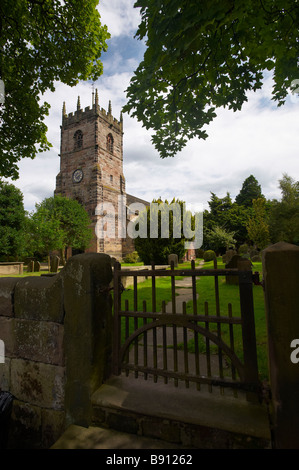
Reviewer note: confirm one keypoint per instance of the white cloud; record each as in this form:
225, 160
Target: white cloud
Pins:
119, 16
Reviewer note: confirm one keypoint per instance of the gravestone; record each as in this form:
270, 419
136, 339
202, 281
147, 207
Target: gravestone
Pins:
244, 264
232, 264
36, 266
30, 267
228, 255
54, 264
173, 258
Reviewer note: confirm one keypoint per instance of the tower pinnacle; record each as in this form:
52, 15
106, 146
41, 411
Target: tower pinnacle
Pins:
64, 110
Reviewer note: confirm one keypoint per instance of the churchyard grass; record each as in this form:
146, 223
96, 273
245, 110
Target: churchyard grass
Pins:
25, 274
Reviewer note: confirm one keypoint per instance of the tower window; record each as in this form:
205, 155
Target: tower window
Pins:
78, 140
111, 179
109, 143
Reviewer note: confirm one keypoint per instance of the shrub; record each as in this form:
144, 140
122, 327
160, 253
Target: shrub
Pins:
253, 253
199, 253
131, 257
209, 255
243, 249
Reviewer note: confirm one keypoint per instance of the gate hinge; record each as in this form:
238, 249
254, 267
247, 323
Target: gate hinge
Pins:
102, 290
256, 280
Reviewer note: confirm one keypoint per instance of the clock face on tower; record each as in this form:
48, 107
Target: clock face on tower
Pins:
77, 176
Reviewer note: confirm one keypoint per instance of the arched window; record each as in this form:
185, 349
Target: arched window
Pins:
78, 140
109, 143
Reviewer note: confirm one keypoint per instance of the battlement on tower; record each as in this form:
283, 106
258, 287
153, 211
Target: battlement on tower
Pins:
88, 112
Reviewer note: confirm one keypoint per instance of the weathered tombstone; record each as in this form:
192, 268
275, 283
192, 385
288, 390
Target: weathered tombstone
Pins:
30, 266
232, 264
229, 254
244, 264
36, 266
54, 264
173, 258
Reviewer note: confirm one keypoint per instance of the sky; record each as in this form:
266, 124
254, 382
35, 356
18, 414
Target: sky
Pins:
260, 140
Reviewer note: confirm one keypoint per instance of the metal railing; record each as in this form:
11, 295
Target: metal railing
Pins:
156, 342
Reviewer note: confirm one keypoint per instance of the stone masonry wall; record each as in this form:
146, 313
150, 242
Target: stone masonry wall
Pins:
57, 346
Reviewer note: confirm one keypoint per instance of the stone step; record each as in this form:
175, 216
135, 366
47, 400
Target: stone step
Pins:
95, 437
180, 416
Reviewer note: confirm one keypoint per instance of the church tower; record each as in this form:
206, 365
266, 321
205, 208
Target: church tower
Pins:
91, 165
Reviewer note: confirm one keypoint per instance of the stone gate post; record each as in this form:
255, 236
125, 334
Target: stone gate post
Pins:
281, 278
87, 331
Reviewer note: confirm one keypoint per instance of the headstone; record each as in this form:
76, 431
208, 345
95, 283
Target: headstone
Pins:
36, 266
244, 264
232, 264
30, 266
54, 264
173, 258
229, 254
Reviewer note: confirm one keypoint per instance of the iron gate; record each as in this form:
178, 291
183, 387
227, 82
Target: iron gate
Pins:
156, 343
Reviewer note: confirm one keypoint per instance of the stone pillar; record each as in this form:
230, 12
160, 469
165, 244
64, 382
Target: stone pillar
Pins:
87, 330
281, 278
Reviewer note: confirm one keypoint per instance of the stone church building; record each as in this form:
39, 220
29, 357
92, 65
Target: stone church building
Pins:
91, 170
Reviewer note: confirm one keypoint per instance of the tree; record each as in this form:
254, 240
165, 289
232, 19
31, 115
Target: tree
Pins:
12, 221
220, 239
289, 189
250, 190
59, 223
41, 42
284, 214
156, 249
204, 55
257, 226
45, 231
219, 206
230, 216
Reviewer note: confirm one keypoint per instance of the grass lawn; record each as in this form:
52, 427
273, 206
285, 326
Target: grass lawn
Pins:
25, 274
